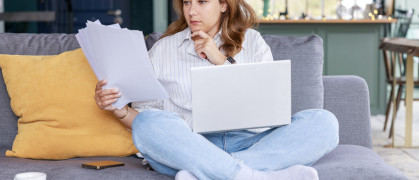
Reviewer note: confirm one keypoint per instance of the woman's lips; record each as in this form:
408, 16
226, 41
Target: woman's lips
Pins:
195, 22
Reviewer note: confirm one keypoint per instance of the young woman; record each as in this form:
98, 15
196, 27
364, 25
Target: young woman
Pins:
208, 33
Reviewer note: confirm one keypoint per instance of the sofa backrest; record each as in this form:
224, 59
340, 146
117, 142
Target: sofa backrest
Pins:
306, 54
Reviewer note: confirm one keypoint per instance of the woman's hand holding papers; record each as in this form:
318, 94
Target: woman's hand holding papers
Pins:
206, 48
105, 97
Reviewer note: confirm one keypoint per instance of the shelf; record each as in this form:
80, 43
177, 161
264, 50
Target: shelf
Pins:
337, 21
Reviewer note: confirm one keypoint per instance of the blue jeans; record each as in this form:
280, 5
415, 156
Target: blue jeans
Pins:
169, 145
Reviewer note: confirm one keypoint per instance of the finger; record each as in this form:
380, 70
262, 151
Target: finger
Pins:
108, 108
199, 43
105, 97
198, 46
105, 105
100, 84
109, 102
105, 92
111, 96
201, 34
201, 53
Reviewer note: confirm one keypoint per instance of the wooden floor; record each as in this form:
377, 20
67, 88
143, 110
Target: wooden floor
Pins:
405, 159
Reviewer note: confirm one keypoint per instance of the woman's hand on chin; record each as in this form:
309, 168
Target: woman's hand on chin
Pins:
206, 48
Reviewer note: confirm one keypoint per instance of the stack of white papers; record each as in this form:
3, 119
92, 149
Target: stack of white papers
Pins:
120, 56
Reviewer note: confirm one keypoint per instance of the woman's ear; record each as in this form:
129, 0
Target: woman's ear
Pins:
224, 6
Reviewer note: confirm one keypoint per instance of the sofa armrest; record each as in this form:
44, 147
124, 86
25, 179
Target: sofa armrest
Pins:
348, 98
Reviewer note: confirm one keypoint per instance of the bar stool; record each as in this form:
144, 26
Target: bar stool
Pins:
390, 63
404, 19
409, 47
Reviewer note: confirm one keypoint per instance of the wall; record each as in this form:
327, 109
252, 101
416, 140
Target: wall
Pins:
414, 31
407, 4
21, 5
141, 14
414, 28
1, 22
160, 15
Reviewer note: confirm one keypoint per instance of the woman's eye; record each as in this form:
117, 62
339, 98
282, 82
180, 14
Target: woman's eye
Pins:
202, 2
186, 2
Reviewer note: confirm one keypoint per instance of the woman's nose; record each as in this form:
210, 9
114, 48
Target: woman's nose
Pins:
193, 10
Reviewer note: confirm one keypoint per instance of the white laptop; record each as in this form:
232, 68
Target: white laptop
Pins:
241, 96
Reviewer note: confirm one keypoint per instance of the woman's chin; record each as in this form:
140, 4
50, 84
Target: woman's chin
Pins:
193, 29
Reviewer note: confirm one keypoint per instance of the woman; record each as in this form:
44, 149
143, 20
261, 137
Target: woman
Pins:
208, 33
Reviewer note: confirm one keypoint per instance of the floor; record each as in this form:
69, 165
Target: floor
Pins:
405, 159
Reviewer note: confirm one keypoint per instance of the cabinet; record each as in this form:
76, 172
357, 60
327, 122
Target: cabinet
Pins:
350, 48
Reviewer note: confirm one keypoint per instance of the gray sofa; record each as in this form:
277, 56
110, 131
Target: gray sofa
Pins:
345, 96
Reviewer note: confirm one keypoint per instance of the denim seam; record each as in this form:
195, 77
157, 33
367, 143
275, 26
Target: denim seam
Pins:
235, 156
224, 141
236, 170
247, 145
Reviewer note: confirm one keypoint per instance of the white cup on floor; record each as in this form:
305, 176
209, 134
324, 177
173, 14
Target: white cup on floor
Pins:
31, 176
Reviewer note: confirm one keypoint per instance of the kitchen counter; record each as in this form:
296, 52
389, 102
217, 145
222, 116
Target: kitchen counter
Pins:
334, 21
350, 48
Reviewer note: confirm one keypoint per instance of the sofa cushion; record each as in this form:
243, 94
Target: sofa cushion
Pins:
151, 39
345, 162
306, 55
355, 162
8, 120
25, 44
59, 119
71, 169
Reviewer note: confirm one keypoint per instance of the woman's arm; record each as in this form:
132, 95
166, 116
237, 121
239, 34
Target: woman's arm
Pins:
126, 115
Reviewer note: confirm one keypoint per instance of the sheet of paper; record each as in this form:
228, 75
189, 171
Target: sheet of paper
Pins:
120, 56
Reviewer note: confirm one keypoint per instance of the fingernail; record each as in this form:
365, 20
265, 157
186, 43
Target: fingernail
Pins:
115, 90
119, 94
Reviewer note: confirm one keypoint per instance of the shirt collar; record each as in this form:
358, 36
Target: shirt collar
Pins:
186, 36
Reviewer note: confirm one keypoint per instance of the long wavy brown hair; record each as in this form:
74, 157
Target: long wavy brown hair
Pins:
234, 22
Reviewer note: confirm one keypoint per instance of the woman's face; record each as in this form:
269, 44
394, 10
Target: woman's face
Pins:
204, 15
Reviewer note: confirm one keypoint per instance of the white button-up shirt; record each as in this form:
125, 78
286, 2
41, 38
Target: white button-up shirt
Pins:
173, 57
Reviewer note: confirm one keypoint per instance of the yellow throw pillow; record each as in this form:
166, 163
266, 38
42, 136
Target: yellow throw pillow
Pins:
59, 119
